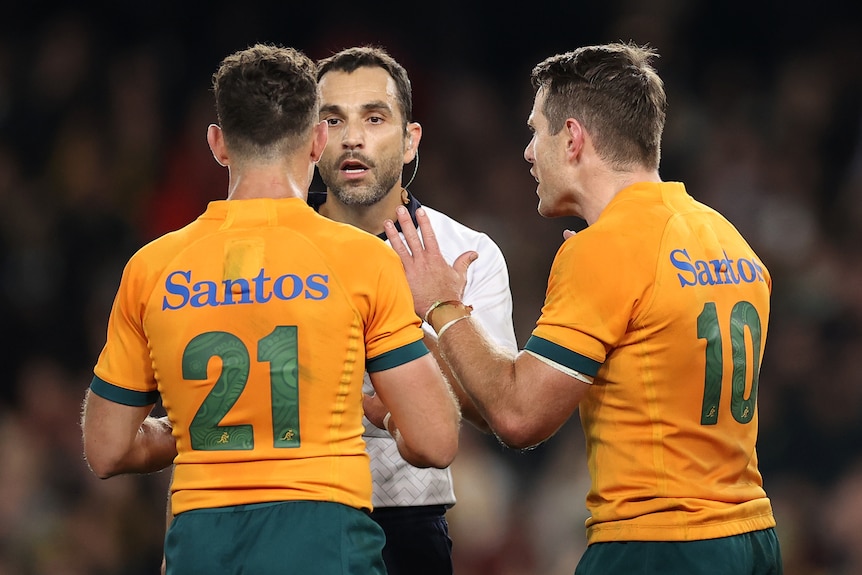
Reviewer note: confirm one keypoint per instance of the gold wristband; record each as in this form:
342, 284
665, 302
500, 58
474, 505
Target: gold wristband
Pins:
440, 303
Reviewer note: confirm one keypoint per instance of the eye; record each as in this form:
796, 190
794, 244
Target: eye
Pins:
331, 122
375, 119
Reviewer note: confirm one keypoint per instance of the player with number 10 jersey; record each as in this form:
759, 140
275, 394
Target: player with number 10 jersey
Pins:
682, 303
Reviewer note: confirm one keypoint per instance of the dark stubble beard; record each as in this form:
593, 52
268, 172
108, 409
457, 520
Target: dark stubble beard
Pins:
387, 172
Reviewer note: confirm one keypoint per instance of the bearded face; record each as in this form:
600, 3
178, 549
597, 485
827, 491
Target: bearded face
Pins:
357, 179
365, 152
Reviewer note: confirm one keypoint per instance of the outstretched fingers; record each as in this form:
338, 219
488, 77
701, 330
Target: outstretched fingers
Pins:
411, 237
429, 237
430, 276
418, 246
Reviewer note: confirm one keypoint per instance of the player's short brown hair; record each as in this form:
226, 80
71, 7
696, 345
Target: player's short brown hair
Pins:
266, 99
614, 92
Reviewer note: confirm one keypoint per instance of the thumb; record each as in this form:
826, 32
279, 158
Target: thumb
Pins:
464, 260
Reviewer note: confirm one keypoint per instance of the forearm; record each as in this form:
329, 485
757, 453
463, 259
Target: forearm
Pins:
469, 410
524, 400
424, 414
438, 412
153, 449
124, 439
482, 370
412, 456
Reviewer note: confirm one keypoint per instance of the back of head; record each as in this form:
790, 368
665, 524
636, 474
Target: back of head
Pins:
350, 59
266, 100
615, 93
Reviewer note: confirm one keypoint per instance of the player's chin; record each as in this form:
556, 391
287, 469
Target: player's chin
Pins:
545, 209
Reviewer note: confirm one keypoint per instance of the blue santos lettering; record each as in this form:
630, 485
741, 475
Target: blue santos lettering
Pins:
315, 286
182, 291
714, 272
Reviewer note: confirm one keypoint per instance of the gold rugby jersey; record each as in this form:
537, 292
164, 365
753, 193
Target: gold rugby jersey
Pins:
253, 324
667, 306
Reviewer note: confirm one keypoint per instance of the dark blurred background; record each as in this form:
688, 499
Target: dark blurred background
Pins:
103, 113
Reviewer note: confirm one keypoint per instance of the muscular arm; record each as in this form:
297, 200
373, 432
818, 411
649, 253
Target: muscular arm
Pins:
468, 410
425, 418
124, 439
523, 399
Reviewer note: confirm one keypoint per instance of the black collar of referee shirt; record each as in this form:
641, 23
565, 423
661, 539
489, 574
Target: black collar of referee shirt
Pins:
318, 198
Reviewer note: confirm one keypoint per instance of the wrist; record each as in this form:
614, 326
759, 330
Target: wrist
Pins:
449, 324
443, 312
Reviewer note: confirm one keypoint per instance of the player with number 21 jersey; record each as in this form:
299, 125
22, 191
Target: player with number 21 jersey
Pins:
239, 321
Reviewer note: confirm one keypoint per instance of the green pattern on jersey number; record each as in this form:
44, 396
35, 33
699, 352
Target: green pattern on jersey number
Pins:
279, 348
742, 315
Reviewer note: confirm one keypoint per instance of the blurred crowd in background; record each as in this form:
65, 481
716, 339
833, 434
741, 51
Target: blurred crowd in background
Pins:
103, 114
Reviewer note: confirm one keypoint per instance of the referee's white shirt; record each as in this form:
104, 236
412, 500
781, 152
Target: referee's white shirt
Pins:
396, 482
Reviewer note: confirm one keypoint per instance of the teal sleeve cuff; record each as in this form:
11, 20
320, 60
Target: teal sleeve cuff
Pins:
116, 394
561, 355
396, 357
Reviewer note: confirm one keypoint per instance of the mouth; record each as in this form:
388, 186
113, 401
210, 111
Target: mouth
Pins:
353, 167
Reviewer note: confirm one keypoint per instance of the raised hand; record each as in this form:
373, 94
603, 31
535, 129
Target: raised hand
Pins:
431, 278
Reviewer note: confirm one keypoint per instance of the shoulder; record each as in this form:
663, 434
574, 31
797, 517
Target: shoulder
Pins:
339, 241
604, 251
163, 248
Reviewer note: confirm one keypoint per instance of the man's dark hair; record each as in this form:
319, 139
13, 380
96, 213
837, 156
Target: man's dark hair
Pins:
266, 99
348, 60
614, 92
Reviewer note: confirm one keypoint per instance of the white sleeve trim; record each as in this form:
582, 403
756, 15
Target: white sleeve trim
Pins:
558, 366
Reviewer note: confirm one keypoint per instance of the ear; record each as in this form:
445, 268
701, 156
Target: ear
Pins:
576, 136
318, 143
411, 144
215, 138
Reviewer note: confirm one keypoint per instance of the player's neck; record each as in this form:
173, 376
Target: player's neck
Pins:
269, 181
604, 185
